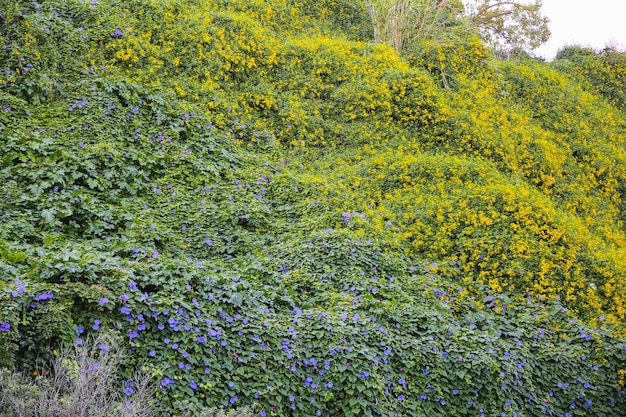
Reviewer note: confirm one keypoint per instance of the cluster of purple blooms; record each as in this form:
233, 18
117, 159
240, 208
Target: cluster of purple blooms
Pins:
117, 33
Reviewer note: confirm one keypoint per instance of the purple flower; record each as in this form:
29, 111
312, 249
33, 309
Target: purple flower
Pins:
193, 384
20, 288
5, 327
125, 310
128, 388
103, 301
45, 296
233, 400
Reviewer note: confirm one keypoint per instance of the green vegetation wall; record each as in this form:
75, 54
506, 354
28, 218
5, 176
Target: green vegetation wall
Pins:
270, 208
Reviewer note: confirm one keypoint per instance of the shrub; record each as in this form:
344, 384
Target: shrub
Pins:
604, 71
82, 381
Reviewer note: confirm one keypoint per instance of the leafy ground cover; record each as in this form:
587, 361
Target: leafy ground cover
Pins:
270, 209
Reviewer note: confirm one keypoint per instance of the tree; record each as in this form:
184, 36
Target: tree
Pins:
399, 23
509, 25
506, 25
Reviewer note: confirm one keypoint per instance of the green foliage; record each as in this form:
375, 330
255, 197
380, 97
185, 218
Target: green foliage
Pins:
188, 408
278, 216
347, 16
604, 70
510, 26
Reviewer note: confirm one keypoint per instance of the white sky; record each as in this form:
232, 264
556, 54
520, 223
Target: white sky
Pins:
594, 23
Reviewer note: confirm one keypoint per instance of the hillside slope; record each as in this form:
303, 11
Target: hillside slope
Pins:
269, 208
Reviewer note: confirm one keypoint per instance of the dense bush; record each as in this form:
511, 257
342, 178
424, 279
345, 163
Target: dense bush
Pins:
604, 70
81, 381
